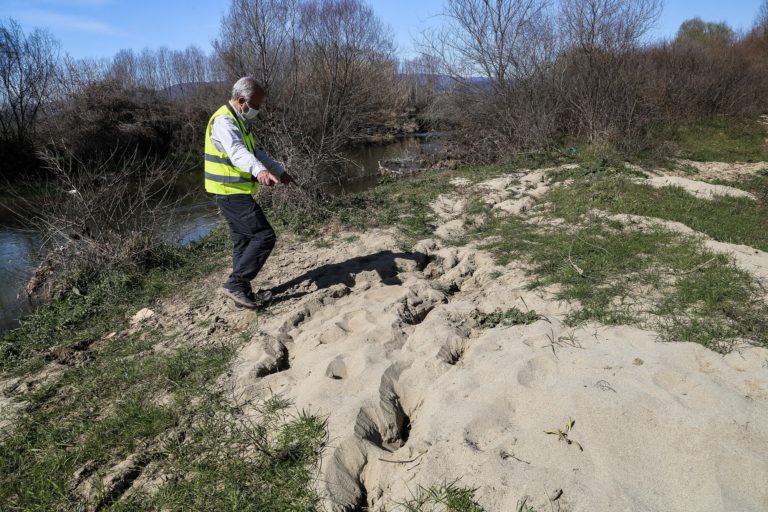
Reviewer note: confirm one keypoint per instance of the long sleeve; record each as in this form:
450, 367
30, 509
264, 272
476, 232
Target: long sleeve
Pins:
272, 165
226, 137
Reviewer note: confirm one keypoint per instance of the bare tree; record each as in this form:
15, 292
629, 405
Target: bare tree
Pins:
350, 60
762, 15
190, 66
27, 74
125, 68
161, 69
607, 25
496, 53
117, 213
148, 69
268, 30
329, 69
600, 84
422, 78
497, 40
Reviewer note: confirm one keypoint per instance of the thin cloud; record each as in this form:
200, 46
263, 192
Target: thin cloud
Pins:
73, 23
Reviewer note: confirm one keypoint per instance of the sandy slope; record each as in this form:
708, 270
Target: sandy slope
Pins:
387, 345
697, 188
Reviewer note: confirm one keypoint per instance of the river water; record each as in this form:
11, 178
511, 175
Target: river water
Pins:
20, 248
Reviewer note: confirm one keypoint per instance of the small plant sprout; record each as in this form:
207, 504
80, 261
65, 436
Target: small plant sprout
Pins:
562, 435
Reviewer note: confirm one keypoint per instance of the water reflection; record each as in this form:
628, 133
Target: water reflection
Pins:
361, 170
197, 222
18, 257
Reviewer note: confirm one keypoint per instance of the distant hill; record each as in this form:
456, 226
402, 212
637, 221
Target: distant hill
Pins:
443, 83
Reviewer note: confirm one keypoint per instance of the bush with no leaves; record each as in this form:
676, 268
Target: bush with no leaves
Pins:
111, 216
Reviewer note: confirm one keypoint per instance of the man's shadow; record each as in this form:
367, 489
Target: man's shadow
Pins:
345, 272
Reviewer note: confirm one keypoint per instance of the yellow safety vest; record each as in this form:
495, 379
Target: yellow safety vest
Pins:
221, 176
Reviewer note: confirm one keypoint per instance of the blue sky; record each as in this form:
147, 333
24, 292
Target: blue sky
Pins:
98, 28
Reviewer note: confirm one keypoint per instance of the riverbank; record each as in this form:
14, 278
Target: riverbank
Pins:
578, 336
21, 247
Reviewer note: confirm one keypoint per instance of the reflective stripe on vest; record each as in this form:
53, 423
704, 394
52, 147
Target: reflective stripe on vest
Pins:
218, 160
221, 176
226, 179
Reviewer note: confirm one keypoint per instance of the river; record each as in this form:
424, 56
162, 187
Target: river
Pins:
20, 248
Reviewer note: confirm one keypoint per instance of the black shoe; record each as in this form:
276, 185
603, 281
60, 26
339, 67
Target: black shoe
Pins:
260, 296
241, 298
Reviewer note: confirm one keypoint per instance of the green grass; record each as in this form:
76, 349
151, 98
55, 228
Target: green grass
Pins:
717, 139
104, 304
596, 168
713, 139
448, 497
756, 183
126, 398
131, 399
97, 413
265, 462
401, 203
726, 219
619, 275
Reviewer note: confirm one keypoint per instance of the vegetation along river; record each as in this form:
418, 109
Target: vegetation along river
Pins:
20, 248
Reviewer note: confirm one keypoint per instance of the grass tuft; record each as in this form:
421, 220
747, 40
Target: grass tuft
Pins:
717, 139
617, 275
448, 497
88, 312
726, 219
266, 462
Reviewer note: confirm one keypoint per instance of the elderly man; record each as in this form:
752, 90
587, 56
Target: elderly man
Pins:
234, 169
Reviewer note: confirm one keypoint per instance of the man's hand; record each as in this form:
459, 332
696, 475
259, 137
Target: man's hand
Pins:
267, 179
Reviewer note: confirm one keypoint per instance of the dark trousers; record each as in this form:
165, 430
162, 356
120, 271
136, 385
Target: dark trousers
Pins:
252, 237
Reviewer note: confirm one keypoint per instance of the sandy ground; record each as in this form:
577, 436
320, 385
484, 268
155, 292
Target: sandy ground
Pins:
723, 170
387, 345
697, 188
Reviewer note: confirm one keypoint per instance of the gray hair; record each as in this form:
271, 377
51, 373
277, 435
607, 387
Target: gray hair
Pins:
246, 87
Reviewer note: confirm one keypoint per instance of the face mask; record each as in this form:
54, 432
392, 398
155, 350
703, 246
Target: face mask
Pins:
251, 114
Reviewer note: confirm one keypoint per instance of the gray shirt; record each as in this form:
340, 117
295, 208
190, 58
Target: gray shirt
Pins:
226, 136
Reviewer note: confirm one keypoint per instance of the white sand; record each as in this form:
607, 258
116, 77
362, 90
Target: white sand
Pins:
723, 170
697, 188
416, 393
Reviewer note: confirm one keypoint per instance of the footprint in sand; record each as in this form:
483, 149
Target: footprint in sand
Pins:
539, 372
337, 369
